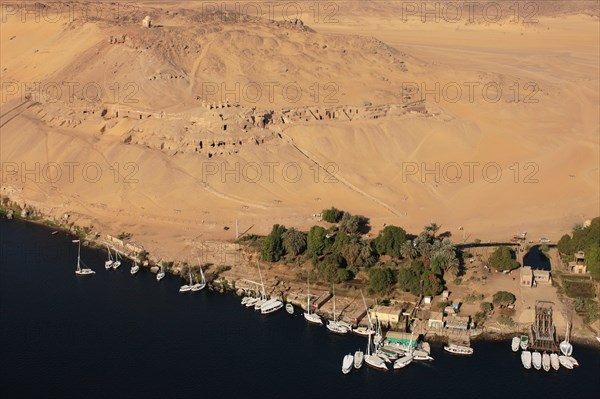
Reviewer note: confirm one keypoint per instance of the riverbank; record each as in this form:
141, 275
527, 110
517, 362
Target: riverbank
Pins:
282, 281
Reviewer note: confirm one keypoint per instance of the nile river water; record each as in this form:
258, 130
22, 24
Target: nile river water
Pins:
117, 335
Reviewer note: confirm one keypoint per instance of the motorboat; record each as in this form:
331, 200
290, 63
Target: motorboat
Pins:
536, 360
554, 362
573, 361
515, 344
524, 342
347, 363
458, 349
359, 358
546, 362
135, 268
565, 362
526, 359
289, 308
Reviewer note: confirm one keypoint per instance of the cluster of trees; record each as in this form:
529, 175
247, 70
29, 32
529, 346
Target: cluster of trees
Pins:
503, 298
503, 258
338, 253
585, 239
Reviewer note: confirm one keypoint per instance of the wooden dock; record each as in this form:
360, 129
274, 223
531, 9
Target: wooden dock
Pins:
542, 334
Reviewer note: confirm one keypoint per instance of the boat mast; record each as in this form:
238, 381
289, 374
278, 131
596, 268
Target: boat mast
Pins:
201, 272
334, 317
308, 296
367, 310
261, 280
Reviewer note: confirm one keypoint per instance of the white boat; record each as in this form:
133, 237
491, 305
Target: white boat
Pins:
565, 346
421, 355
524, 342
117, 261
289, 308
161, 274
516, 341
187, 287
109, 262
554, 362
245, 299
135, 268
200, 285
546, 362
347, 363
334, 325
260, 302
359, 357
271, 306
363, 331
565, 362
536, 360
368, 330
308, 316
526, 359
374, 360
403, 362
458, 349
85, 270
573, 361
250, 302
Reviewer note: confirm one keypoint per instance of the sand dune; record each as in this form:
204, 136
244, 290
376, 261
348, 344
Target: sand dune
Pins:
354, 138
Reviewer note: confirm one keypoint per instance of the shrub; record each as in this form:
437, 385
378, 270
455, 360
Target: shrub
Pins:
332, 215
503, 259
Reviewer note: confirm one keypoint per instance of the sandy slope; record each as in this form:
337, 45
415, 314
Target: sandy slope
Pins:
170, 199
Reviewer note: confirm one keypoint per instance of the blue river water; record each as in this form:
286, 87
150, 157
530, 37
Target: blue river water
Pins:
117, 335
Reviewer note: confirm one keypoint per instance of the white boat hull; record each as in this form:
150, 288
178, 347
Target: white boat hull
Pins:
546, 362
198, 287
403, 362
515, 344
272, 307
526, 359
84, 272
359, 358
536, 360
347, 363
116, 264
160, 276
134, 269
554, 362
313, 318
376, 362
337, 328
459, 349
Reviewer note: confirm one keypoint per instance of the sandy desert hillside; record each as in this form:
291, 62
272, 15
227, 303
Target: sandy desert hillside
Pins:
175, 131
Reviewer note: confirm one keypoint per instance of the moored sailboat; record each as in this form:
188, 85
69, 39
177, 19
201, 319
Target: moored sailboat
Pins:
135, 268
187, 287
161, 274
109, 262
334, 325
374, 360
554, 362
85, 271
308, 316
565, 346
403, 362
117, 260
546, 362
200, 285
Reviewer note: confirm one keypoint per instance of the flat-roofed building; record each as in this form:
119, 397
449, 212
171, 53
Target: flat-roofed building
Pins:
457, 322
526, 276
387, 314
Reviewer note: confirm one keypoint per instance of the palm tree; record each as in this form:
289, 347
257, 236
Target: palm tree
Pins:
294, 241
408, 250
432, 229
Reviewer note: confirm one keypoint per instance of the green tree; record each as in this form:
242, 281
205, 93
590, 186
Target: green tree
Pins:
504, 298
316, 242
381, 279
502, 259
486, 307
408, 250
294, 241
332, 215
564, 244
390, 241
353, 224
592, 260
273, 246
432, 229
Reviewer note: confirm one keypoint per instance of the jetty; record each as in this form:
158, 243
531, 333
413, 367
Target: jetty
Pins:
542, 334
